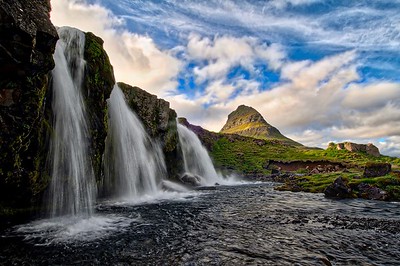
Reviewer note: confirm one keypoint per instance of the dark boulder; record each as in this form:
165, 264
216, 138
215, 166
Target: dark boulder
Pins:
338, 189
377, 169
367, 191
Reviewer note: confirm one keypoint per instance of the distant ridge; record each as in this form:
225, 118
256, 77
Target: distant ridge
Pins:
247, 121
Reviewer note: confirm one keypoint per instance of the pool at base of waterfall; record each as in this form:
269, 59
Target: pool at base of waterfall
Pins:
250, 224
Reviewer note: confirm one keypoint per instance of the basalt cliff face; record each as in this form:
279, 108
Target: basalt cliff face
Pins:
247, 121
98, 84
160, 123
27, 45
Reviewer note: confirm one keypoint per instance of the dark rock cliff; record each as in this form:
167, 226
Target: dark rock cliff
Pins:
27, 44
98, 84
160, 122
26, 56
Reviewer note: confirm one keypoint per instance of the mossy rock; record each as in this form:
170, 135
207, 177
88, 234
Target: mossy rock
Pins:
98, 84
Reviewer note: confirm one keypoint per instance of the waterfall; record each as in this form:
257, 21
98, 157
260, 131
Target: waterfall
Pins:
196, 159
134, 165
72, 187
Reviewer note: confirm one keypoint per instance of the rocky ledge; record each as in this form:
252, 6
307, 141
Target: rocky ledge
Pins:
369, 148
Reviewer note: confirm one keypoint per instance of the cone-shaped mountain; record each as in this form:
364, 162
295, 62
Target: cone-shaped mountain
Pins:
247, 121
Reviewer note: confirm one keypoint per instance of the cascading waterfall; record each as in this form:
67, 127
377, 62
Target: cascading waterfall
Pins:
72, 188
195, 156
134, 165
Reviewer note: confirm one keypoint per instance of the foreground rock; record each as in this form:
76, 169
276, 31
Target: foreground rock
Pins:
338, 190
366, 191
191, 180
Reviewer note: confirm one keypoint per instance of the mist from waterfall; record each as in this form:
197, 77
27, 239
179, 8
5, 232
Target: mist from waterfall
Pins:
196, 159
72, 187
134, 164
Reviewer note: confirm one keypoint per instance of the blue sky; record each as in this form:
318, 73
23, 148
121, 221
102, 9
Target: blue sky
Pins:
318, 70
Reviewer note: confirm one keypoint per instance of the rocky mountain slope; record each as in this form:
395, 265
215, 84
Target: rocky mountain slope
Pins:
247, 121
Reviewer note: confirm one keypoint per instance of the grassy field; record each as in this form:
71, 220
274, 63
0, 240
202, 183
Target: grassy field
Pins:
249, 156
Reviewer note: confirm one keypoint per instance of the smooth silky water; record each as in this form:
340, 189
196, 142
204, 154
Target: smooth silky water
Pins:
72, 187
197, 161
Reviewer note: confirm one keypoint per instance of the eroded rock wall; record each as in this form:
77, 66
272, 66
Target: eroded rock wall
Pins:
98, 84
369, 148
160, 122
27, 44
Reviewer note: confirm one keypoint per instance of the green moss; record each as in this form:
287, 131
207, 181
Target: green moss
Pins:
98, 83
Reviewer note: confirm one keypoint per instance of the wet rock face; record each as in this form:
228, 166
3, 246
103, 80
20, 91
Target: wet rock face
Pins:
377, 169
27, 37
27, 44
191, 180
339, 189
160, 123
98, 84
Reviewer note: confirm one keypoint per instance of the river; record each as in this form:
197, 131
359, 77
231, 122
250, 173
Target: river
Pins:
248, 224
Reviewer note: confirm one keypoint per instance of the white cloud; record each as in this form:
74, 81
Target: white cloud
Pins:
136, 59
224, 52
390, 145
280, 4
373, 95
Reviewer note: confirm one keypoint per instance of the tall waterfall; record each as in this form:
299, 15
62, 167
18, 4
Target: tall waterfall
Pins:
72, 188
195, 156
134, 165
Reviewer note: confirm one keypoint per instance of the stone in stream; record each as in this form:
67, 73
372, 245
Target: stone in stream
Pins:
369, 192
339, 189
190, 179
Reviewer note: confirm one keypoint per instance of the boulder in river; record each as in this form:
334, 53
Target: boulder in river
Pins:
190, 179
367, 191
338, 189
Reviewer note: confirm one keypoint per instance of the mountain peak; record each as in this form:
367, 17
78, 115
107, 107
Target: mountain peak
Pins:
247, 121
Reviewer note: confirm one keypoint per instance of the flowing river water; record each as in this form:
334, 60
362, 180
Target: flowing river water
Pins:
249, 224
